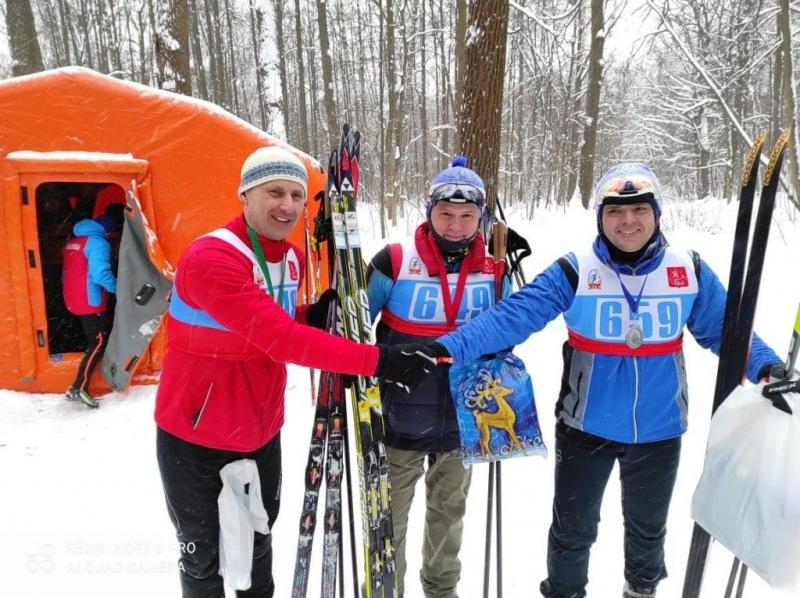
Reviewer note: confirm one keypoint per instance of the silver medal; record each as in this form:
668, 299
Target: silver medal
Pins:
634, 337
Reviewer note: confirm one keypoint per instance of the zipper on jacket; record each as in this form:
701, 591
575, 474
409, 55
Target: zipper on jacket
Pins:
635, 398
199, 414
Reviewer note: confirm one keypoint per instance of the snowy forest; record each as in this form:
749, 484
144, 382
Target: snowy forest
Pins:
681, 84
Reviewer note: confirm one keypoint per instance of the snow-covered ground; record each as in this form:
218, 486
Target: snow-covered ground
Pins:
81, 507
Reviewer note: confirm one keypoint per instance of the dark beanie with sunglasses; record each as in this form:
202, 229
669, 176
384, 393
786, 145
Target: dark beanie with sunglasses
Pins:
456, 184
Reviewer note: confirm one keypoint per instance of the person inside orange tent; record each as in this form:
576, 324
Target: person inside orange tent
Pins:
87, 282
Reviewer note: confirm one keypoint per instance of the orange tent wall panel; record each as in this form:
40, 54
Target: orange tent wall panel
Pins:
187, 155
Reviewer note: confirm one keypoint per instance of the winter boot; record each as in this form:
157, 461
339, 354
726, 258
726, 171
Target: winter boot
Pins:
548, 592
631, 592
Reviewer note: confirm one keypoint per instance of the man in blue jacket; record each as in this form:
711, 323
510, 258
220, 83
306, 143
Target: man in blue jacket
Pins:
626, 301
87, 281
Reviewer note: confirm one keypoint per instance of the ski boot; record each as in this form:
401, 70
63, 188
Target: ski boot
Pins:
631, 592
75, 394
548, 592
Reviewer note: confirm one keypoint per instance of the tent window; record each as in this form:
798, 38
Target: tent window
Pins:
59, 206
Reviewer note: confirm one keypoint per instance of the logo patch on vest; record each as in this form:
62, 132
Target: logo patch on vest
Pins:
258, 277
292, 271
676, 276
594, 280
414, 267
488, 266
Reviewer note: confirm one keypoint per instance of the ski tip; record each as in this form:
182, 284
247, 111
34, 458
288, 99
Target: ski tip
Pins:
751, 164
775, 157
797, 321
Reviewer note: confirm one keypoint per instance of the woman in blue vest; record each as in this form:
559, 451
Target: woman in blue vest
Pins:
626, 301
424, 288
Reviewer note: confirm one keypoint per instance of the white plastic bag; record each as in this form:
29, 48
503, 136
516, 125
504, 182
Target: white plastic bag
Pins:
749, 494
240, 515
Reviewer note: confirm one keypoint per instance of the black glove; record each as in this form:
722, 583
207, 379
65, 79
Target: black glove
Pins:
778, 384
408, 365
317, 313
515, 243
771, 372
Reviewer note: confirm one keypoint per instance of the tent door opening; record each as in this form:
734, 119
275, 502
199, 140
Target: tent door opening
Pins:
60, 205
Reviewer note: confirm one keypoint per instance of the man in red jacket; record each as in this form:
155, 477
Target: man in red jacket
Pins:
233, 325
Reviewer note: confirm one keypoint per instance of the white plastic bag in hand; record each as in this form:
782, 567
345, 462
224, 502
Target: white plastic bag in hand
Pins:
749, 494
240, 514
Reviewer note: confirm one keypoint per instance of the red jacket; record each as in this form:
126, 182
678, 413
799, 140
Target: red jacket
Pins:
223, 388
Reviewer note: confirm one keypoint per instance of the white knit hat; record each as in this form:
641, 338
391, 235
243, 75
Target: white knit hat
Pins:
271, 164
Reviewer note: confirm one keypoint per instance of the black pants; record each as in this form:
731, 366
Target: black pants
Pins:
96, 328
190, 475
583, 466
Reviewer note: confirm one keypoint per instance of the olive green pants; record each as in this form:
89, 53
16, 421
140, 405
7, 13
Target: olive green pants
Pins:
446, 487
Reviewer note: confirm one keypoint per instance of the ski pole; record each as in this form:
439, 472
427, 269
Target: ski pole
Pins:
499, 231
487, 559
794, 348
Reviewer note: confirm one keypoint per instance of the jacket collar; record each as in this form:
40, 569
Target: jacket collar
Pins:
474, 259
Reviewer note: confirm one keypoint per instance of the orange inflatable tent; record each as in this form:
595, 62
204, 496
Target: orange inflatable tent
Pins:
72, 140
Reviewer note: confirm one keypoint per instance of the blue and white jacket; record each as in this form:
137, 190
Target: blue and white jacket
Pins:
404, 287
610, 390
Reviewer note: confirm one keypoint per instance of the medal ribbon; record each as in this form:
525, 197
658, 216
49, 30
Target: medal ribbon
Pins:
633, 304
451, 304
262, 263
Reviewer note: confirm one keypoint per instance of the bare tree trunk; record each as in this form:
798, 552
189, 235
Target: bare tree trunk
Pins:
327, 75
390, 149
384, 205
215, 51
586, 179
99, 30
26, 55
115, 43
172, 45
234, 78
197, 51
444, 98
49, 27
776, 98
703, 155
790, 101
142, 53
87, 58
63, 12
302, 110
480, 120
319, 145
256, 17
423, 98
461, 40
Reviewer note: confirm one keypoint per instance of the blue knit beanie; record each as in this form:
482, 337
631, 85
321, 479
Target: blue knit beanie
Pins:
458, 174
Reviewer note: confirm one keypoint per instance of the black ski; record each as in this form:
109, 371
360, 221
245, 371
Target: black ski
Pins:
356, 324
740, 310
334, 467
313, 479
